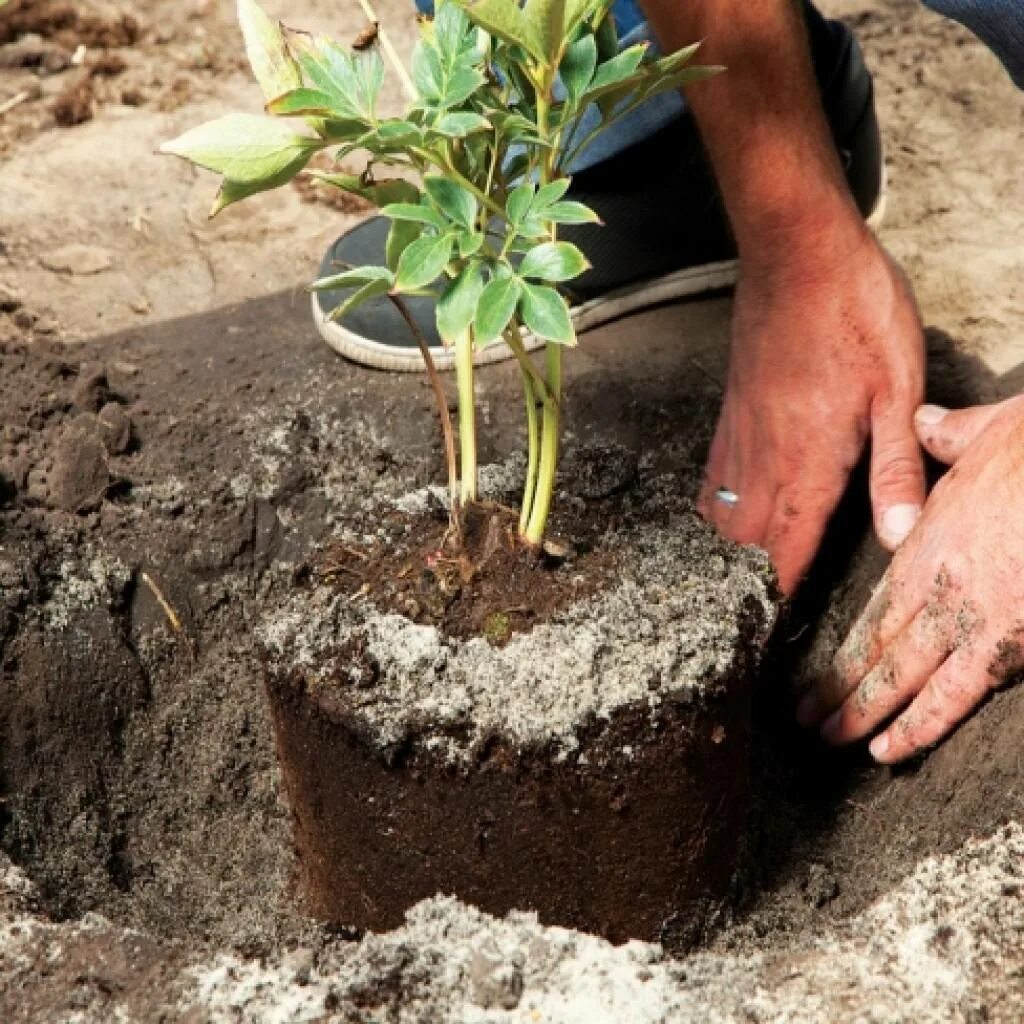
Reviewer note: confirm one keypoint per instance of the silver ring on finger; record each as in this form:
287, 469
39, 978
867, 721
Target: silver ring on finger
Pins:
727, 497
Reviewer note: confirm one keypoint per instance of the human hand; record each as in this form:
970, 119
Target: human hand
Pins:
946, 624
827, 349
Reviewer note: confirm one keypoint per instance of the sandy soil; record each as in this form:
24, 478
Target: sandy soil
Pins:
953, 121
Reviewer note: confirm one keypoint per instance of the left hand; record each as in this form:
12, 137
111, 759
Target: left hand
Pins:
946, 624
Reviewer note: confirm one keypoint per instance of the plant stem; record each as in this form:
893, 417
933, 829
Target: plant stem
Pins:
514, 340
548, 466
548, 463
532, 452
467, 415
442, 407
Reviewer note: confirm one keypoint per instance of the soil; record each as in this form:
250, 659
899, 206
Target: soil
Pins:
591, 768
137, 772
477, 579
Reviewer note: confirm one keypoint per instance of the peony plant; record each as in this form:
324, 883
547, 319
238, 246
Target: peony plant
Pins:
473, 177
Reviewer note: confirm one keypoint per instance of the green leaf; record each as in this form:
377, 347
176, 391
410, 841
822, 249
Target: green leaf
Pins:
548, 194
495, 308
380, 193
578, 66
457, 306
451, 27
515, 127
459, 125
352, 278
570, 212
398, 132
416, 212
545, 313
352, 80
452, 200
401, 235
470, 242
612, 72
607, 38
340, 129
440, 83
553, 261
545, 20
674, 61
234, 191
504, 20
245, 148
677, 79
368, 291
517, 167
518, 204
302, 101
423, 262
272, 64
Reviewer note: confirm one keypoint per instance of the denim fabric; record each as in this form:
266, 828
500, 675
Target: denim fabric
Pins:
997, 23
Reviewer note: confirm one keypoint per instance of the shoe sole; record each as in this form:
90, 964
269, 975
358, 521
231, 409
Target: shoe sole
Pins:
587, 315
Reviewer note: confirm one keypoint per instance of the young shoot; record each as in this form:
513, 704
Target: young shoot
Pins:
473, 177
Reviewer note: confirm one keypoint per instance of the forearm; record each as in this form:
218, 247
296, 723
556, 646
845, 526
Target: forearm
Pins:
763, 124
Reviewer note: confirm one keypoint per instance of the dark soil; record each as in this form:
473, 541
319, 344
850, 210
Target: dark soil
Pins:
66, 25
137, 771
479, 580
635, 838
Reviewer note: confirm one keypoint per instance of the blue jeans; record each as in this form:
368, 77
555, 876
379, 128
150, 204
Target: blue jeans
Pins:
998, 23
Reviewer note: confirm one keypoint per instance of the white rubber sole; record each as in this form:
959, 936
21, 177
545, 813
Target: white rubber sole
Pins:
679, 285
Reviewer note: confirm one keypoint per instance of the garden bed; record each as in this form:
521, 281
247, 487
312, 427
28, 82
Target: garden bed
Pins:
137, 768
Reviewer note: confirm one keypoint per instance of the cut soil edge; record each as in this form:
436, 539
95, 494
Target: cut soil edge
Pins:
624, 846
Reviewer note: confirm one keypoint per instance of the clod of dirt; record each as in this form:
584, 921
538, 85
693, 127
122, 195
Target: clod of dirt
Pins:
67, 25
32, 51
612, 471
80, 476
107, 65
91, 391
9, 299
76, 258
115, 428
76, 105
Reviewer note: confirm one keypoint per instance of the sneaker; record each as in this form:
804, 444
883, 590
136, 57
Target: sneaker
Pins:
670, 242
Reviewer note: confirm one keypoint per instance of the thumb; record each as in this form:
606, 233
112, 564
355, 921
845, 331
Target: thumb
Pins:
897, 475
946, 434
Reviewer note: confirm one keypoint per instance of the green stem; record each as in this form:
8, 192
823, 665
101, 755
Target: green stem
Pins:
532, 452
548, 465
514, 340
438, 161
467, 415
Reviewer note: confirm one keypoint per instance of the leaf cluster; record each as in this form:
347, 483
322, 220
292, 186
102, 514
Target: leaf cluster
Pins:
473, 174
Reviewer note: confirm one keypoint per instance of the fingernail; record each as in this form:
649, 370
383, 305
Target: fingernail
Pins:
929, 415
807, 709
830, 727
878, 746
897, 522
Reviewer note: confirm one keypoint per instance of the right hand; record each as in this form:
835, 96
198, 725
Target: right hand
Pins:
827, 351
